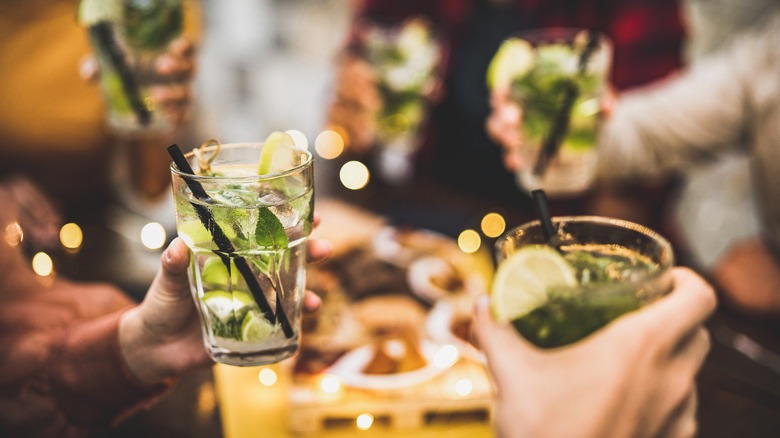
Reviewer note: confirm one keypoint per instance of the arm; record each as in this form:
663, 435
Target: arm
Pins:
696, 115
635, 377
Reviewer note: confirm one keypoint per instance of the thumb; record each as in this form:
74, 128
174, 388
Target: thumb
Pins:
172, 282
504, 348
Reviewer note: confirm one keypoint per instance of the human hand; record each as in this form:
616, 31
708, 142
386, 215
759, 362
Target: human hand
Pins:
175, 70
161, 337
357, 103
37, 215
633, 378
503, 124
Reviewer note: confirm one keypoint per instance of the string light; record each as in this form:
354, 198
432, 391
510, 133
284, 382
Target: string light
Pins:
42, 264
354, 175
267, 377
329, 144
364, 421
330, 384
493, 225
299, 138
13, 234
464, 387
469, 241
71, 236
153, 235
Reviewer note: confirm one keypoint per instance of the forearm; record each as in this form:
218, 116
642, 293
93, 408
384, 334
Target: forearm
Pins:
665, 127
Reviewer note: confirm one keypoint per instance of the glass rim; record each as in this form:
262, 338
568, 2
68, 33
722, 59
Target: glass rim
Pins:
565, 31
663, 242
307, 162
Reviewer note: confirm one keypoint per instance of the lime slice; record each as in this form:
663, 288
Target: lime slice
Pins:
278, 154
215, 272
94, 11
514, 58
256, 328
523, 280
223, 304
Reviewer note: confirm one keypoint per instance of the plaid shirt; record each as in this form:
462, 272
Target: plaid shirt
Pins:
646, 34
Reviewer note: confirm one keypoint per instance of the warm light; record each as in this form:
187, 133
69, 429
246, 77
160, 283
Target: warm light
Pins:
469, 241
493, 224
267, 377
330, 384
364, 421
354, 175
13, 234
329, 144
299, 138
71, 236
207, 399
42, 264
153, 235
445, 357
463, 387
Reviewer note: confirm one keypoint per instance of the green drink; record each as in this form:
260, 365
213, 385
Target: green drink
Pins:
127, 37
248, 232
599, 270
558, 77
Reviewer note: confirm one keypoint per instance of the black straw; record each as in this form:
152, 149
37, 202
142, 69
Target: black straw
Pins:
224, 244
544, 214
105, 41
560, 127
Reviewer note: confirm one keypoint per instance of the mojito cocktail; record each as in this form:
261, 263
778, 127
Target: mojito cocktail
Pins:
247, 227
558, 77
597, 270
127, 37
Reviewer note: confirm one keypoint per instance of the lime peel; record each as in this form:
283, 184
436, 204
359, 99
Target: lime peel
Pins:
514, 58
278, 153
523, 280
92, 12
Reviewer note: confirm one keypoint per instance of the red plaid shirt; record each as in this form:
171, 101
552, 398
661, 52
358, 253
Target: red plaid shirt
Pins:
647, 34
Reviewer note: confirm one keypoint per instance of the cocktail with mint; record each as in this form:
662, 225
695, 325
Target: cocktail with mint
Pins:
127, 37
595, 269
558, 77
246, 214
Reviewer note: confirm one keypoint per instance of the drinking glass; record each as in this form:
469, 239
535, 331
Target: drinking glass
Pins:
616, 267
127, 37
560, 93
406, 58
247, 233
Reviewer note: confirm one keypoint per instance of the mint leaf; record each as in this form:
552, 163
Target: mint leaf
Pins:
269, 232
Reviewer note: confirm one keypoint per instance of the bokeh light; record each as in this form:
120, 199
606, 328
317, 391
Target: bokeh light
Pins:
330, 384
354, 175
13, 234
469, 241
329, 144
71, 236
445, 357
493, 225
464, 387
153, 235
42, 264
299, 138
364, 421
267, 377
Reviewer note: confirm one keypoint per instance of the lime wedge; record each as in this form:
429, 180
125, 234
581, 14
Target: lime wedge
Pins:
256, 328
215, 272
278, 154
522, 281
94, 11
514, 58
223, 304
